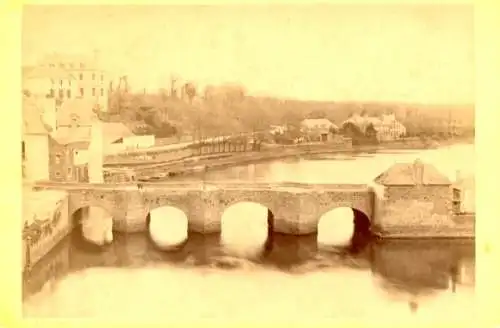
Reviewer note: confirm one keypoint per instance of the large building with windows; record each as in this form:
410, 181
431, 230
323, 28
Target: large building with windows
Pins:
64, 77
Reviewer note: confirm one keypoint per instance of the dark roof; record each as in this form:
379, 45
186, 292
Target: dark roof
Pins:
409, 174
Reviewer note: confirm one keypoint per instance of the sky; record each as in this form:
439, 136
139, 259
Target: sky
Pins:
409, 53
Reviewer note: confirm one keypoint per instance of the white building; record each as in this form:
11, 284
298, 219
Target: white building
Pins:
65, 76
35, 143
387, 126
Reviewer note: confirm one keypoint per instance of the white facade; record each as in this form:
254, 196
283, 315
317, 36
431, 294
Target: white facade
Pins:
96, 154
36, 162
48, 109
135, 142
387, 127
70, 76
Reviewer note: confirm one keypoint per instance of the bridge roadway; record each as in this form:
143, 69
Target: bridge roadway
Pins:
203, 185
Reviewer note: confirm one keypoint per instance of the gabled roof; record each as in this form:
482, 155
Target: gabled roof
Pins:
111, 132
41, 72
68, 135
409, 174
317, 122
78, 110
115, 131
32, 118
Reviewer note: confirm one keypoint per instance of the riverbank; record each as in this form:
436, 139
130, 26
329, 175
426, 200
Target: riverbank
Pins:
201, 164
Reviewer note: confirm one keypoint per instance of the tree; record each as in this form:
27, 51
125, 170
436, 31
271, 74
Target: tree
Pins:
317, 113
190, 90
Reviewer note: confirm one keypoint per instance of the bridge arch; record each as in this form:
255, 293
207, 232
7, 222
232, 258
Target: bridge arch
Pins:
348, 226
92, 225
247, 228
167, 227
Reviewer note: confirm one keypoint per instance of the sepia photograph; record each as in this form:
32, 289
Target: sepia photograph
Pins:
248, 163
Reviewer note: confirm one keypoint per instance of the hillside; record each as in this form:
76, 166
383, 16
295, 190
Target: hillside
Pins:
165, 116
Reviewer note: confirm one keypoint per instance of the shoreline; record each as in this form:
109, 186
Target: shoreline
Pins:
214, 162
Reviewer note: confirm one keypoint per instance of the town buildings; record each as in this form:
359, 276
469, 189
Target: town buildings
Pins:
64, 76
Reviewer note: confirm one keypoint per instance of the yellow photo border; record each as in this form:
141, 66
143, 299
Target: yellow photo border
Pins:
487, 57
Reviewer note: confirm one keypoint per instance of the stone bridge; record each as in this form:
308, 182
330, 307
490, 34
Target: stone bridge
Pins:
296, 207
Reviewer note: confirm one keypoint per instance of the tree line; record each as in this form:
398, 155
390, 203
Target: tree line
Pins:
228, 109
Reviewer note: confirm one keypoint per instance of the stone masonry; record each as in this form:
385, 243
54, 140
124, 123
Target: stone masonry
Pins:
296, 211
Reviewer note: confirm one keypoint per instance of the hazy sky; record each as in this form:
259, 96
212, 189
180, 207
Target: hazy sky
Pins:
329, 52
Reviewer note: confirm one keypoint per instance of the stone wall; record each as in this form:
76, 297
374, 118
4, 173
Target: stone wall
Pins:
295, 212
414, 210
40, 239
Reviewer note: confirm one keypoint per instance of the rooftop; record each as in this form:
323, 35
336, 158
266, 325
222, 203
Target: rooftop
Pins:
40, 72
32, 118
112, 132
76, 111
410, 174
317, 122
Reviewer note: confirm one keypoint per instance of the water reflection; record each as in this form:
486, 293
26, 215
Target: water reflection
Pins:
168, 227
411, 269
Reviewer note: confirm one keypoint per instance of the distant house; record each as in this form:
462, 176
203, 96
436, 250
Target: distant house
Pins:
318, 129
384, 128
278, 129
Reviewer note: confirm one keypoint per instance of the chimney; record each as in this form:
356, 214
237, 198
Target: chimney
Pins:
97, 57
418, 171
458, 176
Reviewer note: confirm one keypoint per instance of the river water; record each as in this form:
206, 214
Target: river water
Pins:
398, 281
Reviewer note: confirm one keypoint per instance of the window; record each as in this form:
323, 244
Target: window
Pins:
81, 92
70, 171
93, 91
61, 65
60, 83
93, 76
102, 92
68, 93
102, 77
81, 76
61, 93
69, 82
58, 159
58, 174
52, 93
24, 150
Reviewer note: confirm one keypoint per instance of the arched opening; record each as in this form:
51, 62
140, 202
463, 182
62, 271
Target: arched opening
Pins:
247, 230
167, 227
343, 228
92, 226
